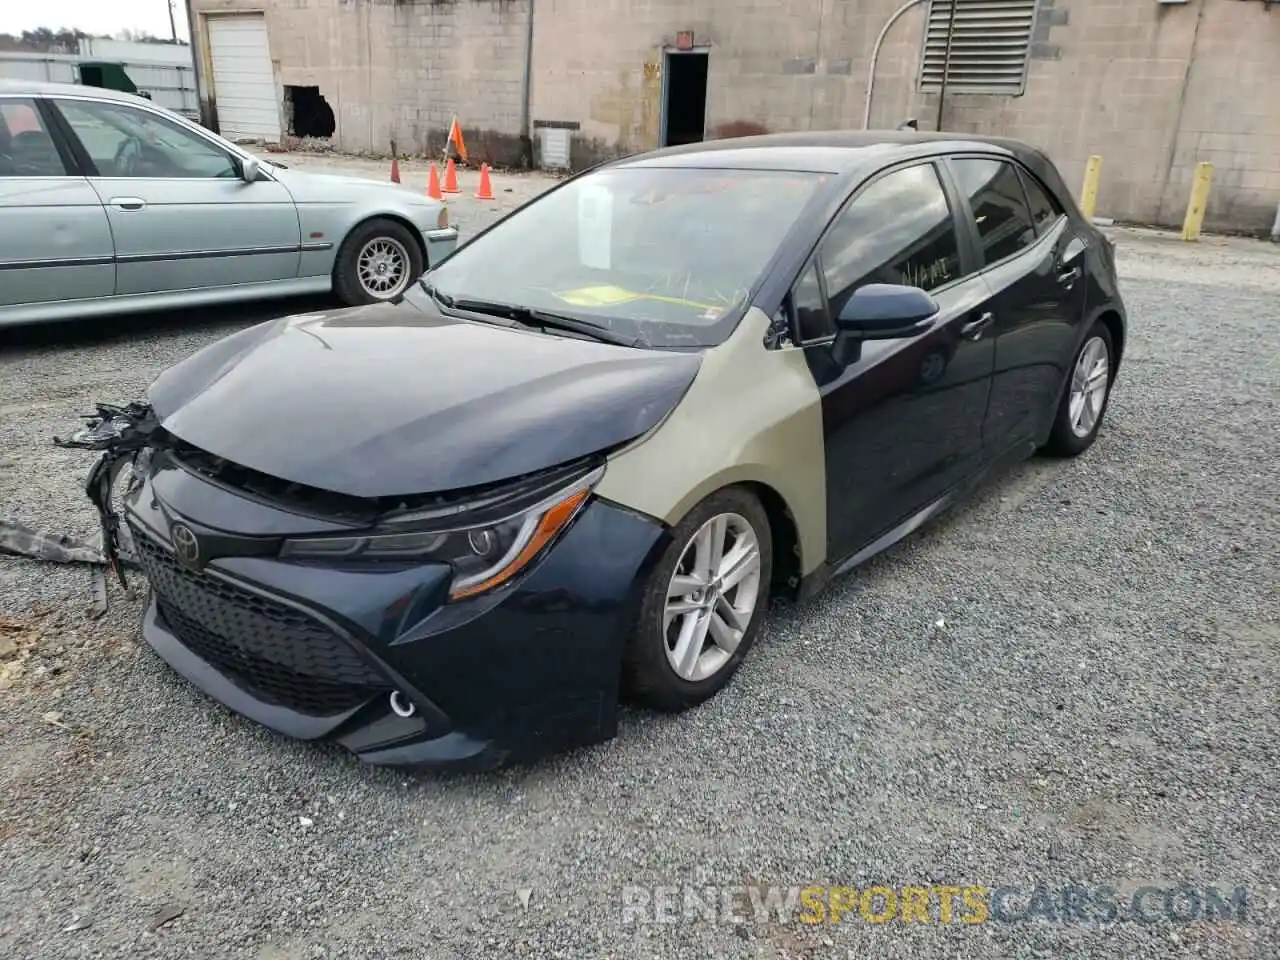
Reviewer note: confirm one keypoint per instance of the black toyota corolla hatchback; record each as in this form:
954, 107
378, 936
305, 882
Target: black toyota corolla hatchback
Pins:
579, 458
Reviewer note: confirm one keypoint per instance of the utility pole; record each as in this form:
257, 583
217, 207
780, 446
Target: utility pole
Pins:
173, 24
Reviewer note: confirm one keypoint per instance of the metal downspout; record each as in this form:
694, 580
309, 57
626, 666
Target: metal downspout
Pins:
526, 94
875, 58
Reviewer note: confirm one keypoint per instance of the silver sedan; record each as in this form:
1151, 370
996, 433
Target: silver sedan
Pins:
111, 204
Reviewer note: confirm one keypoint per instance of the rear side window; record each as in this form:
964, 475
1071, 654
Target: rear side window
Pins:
1005, 226
898, 230
1044, 212
26, 149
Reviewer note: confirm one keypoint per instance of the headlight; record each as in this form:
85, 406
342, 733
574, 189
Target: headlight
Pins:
483, 556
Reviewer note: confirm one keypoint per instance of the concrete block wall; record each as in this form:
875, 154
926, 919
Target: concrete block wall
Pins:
403, 69
1152, 88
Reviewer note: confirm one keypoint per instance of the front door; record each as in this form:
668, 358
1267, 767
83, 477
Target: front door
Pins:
55, 243
1033, 262
903, 422
182, 217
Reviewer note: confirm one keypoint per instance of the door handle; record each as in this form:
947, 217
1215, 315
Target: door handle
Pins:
973, 329
1068, 277
128, 203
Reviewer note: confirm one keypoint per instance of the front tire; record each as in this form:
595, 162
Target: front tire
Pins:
1084, 402
702, 605
376, 263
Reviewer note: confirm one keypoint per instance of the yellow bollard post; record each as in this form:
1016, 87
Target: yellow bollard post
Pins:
1089, 192
1194, 219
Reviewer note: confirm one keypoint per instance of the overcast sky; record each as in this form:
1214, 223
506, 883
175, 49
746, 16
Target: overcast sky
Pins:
93, 16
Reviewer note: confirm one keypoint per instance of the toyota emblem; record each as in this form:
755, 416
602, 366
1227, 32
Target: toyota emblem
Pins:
185, 545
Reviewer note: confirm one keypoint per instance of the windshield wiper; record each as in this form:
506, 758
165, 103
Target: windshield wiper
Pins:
533, 317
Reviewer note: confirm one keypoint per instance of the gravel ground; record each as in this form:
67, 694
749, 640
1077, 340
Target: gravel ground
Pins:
1070, 679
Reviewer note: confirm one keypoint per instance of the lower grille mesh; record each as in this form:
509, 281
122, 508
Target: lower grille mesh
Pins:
278, 653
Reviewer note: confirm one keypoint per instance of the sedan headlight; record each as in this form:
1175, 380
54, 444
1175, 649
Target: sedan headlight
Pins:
483, 556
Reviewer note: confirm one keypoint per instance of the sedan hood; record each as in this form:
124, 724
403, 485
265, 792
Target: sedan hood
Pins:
393, 400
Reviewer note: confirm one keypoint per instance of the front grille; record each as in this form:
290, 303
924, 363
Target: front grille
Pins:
277, 652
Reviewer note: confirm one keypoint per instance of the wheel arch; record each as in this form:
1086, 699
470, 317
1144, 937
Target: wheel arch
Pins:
1111, 319
785, 537
794, 554
396, 218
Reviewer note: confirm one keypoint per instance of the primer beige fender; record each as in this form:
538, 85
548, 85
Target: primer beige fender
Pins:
751, 415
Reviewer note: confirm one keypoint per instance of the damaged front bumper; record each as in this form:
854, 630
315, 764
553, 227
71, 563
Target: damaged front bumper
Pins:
370, 656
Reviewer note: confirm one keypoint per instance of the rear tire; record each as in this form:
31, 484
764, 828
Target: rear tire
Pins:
376, 263
702, 605
1084, 401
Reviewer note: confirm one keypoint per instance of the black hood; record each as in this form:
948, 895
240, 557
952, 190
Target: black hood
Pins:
392, 400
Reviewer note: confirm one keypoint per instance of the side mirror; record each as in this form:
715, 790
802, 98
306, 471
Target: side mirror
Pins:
881, 311
249, 169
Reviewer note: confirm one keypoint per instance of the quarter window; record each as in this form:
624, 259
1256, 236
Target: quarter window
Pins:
125, 142
898, 230
812, 322
26, 148
999, 206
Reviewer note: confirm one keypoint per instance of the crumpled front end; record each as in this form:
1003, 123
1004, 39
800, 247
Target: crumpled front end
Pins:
374, 655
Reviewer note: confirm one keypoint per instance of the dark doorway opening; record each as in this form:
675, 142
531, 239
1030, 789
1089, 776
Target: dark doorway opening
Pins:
309, 112
685, 108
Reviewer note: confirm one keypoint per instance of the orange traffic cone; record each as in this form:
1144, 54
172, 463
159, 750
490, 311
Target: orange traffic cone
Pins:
395, 170
433, 184
485, 190
450, 178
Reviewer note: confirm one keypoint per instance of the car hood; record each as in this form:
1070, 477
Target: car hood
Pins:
309, 187
393, 400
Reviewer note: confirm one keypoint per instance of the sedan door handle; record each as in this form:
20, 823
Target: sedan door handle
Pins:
973, 329
129, 203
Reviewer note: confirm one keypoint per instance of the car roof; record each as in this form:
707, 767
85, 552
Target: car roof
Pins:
856, 153
821, 151
47, 88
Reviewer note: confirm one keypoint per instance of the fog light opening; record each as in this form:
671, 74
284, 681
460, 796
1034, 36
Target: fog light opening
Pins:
401, 705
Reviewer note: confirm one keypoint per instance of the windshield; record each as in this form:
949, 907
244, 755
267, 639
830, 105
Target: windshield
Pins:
664, 255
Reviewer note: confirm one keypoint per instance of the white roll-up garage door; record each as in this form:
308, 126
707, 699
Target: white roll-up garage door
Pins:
244, 86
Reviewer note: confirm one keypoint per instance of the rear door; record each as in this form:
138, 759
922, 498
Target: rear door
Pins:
1032, 260
182, 217
903, 423
55, 242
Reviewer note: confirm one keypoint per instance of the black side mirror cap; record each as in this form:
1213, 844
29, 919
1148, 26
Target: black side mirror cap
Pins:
886, 311
880, 311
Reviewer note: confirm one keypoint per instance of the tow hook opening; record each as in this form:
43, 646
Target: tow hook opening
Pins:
401, 705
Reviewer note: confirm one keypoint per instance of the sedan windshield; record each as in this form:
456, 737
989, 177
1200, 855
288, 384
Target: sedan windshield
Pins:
665, 256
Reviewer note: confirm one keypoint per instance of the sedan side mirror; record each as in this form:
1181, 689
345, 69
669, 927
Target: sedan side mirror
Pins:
249, 169
881, 311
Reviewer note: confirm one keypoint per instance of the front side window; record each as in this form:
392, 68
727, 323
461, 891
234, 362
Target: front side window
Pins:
26, 148
126, 142
999, 206
898, 230
663, 254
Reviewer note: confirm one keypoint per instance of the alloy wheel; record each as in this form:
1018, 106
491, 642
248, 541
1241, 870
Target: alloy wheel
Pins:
382, 267
712, 597
1089, 382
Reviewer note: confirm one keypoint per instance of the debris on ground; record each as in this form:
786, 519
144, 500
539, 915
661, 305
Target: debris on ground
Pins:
17, 641
166, 914
18, 539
